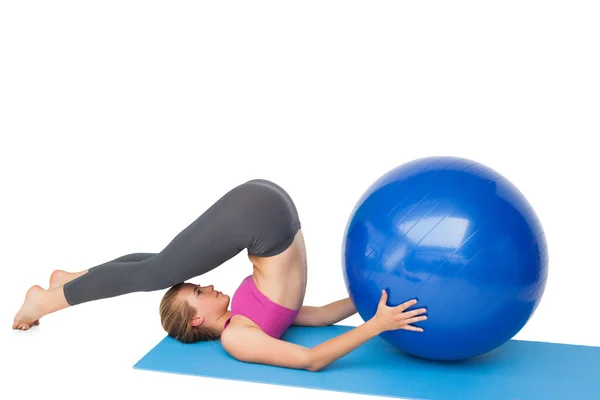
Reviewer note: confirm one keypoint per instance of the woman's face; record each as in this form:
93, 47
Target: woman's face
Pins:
208, 302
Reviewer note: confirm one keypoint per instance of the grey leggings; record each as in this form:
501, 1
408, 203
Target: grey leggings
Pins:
257, 215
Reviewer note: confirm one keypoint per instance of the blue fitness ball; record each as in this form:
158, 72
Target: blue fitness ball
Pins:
458, 237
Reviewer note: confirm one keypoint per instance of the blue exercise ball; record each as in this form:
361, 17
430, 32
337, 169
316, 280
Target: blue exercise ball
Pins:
458, 237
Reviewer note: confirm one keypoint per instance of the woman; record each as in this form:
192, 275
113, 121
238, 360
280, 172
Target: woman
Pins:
259, 216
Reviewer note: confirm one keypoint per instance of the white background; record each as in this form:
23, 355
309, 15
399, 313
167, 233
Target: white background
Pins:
122, 121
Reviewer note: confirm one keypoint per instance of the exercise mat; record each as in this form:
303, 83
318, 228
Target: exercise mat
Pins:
523, 370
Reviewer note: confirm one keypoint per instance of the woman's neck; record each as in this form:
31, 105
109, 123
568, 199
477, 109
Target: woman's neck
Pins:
221, 321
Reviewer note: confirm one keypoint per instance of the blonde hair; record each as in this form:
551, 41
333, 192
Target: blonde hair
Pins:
176, 319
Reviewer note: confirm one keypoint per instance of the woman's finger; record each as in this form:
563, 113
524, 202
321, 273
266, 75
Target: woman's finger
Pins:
412, 328
405, 305
414, 319
412, 313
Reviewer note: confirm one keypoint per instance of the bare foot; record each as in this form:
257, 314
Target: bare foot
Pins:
58, 278
29, 314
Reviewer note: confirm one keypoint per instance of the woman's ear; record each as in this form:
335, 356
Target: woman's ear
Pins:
197, 320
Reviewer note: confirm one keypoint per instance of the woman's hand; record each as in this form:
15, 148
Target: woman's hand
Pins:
392, 318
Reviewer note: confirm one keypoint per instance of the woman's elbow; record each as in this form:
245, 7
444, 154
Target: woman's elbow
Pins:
314, 368
312, 363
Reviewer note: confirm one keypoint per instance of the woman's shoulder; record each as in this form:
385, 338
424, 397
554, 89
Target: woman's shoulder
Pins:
238, 333
239, 323
249, 343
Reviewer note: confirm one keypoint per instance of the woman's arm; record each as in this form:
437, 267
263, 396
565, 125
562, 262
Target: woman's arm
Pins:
325, 315
338, 311
253, 345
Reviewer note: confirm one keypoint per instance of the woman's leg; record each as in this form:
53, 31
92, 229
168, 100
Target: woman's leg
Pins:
59, 277
40, 302
216, 236
256, 215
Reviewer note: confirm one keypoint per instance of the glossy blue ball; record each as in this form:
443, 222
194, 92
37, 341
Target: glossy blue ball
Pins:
458, 237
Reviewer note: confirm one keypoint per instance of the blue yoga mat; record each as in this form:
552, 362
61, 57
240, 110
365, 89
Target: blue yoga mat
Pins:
521, 370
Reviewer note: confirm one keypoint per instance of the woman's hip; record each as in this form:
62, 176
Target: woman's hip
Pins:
271, 217
260, 213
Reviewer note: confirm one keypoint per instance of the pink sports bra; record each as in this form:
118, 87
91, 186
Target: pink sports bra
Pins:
271, 317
